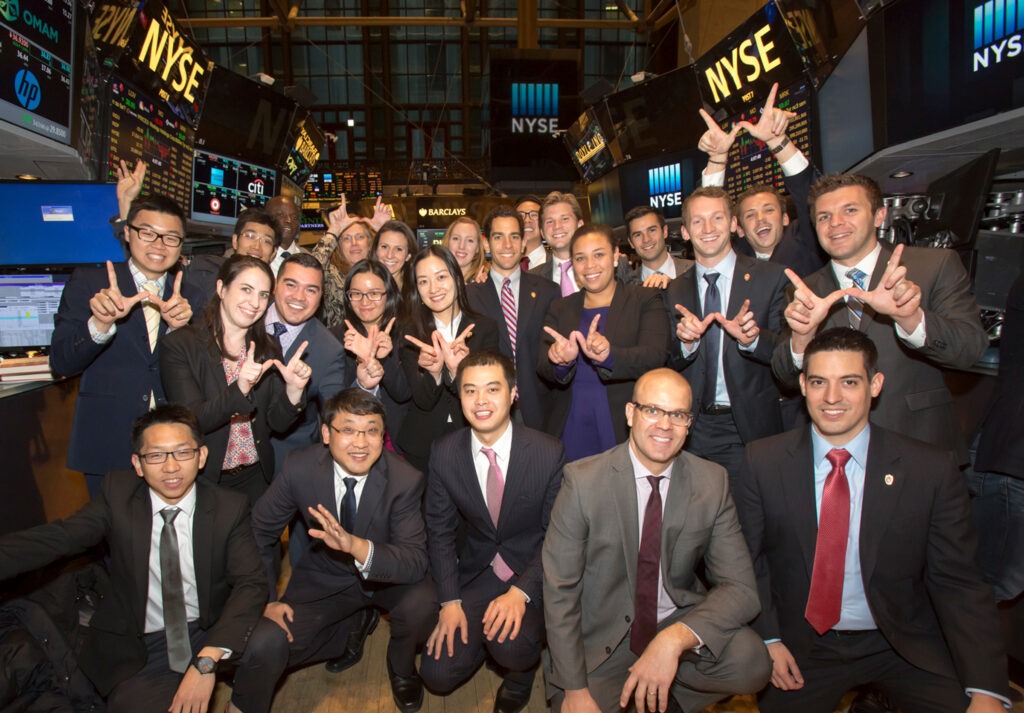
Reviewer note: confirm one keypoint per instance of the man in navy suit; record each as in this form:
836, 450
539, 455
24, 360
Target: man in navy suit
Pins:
518, 309
498, 482
108, 328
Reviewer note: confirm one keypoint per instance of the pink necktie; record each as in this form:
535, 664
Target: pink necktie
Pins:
567, 279
825, 600
495, 489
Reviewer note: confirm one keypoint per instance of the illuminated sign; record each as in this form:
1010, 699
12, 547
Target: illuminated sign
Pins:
164, 50
665, 186
534, 108
997, 32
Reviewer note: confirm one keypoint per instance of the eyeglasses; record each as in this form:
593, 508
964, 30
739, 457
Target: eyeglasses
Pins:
158, 457
524, 214
371, 433
375, 296
253, 236
148, 235
653, 414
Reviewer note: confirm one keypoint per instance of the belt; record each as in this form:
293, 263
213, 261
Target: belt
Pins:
842, 633
238, 469
716, 410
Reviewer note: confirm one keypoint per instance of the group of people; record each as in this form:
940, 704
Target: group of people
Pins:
548, 448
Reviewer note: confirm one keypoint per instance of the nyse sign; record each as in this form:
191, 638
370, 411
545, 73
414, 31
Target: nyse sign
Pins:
534, 108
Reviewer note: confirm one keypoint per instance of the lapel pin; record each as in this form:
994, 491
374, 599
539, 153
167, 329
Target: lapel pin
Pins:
746, 277
889, 480
533, 295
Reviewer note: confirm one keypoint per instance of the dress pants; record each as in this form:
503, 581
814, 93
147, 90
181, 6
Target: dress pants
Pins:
153, 687
714, 437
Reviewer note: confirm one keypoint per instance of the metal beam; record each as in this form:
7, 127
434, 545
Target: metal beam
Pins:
350, 21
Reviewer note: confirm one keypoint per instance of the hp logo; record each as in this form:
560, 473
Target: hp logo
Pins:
26, 88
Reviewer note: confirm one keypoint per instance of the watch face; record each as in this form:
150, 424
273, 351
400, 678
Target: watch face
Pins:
205, 664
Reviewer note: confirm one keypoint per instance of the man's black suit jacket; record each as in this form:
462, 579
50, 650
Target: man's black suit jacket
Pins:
389, 515
748, 376
532, 481
535, 297
917, 553
229, 576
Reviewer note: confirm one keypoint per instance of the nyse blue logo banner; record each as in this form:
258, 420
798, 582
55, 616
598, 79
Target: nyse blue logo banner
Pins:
534, 108
997, 32
665, 186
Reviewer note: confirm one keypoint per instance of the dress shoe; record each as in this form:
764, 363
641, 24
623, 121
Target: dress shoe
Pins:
510, 701
871, 700
356, 641
407, 691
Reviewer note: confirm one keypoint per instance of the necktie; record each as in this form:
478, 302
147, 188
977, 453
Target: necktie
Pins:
495, 490
285, 254
567, 279
645, 617
348, 505
179, 649
151, 313
712, 339
276, 330
825, 600
854, 305
508, 308
524, 263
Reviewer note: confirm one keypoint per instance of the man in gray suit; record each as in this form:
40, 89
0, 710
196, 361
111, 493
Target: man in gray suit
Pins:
648, 234
622, 626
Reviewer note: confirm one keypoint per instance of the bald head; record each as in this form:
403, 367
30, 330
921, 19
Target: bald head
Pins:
286, 214
661, 381
659, 418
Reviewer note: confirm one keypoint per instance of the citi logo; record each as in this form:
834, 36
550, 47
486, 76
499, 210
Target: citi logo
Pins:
26, 88
534, 108
997, 32
665, 186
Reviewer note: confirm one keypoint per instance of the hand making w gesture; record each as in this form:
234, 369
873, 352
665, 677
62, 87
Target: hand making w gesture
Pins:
175, 310
595, 346
295, 373
251, 371
895, 296
806, 312
109, 305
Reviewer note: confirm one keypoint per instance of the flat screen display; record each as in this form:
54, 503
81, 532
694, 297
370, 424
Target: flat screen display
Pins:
223, 187
305, 144
587, 142
28, 306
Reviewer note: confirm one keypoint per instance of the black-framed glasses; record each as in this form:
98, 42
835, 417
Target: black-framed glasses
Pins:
654, 414
373, 432
157, 457
524, 214
373, 296
148, 235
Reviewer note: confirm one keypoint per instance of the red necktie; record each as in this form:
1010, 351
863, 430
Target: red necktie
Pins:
645, 618
508, 309
825, 600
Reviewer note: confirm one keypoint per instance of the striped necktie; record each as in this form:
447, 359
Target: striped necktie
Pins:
508, 309
854, 305
151, 313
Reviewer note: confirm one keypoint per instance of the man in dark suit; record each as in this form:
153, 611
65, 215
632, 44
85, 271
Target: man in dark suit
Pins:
560, 216
864, 554
535, 252
915, 304
647, 232
162, 528
518, 310
645, 627
375, 557
731, 312
108, 328
498, 482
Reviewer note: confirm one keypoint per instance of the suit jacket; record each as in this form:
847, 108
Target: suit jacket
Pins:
201, 272
433, 404
231, 587
638, 332
590, 555
546, 270
117, 377
534, 299
324, 355
388, 515
532, 480
632, 274
917, 553
915, 400
191, 369
748, 377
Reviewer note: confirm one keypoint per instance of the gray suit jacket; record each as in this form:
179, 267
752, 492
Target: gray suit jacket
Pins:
590, 555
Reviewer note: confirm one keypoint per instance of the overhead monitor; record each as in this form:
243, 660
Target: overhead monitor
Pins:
587, 142
28, 307
223, 187
305, 144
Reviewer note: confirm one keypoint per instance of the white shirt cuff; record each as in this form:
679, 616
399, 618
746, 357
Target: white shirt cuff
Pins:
713, 179
798, 359
750, 347
98, 336
794, 164
1005, 701
917, 338
687, 352
364, 567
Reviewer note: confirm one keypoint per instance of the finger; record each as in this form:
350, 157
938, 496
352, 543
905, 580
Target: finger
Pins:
835, 297
466, 333
745, 125
795, 280
770, 101
559, 339
711, 123
267, 364
298, 355
507, 627
743, 309
387, 330
128, 302
683, 311
896, 277
516, 621
177, 284
350, 327
140, 170
376, 206
112, 276
593, 325
416, 342
627, 690
704, 323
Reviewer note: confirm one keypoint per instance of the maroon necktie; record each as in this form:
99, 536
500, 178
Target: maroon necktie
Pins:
524, 263
825, 600
645, 618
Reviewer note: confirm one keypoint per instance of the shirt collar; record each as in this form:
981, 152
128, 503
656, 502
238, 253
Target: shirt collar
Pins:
187, 504
640, 471
725, 267
140, 278
667, 267
857, 447
502, 447
340, 473
866, 265
273, 316
499, 280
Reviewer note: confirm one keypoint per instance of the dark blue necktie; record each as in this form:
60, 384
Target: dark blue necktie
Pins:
712, 339
348, 505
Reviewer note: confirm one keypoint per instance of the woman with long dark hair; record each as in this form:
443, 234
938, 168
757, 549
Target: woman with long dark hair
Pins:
227, 369
441, 331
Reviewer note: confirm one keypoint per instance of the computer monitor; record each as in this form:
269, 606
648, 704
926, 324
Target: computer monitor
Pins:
28, 305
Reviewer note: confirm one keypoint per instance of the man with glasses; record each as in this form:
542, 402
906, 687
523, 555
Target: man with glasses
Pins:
628, 619
108, 328
559, 218
362, 506
286, 214
186, 583
528, 208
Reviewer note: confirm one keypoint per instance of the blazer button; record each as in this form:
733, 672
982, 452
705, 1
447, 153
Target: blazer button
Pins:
145, 397
607, 649
628, 619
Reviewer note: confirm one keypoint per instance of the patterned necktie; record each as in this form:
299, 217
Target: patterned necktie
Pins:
348, 505
276, 330
645, 616
179, 649
825, 600
712, 339
495, 491
151, 313
567, 279
508, 309
854, 305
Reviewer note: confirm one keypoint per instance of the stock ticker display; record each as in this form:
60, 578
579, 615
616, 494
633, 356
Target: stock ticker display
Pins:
223, 187
331, 185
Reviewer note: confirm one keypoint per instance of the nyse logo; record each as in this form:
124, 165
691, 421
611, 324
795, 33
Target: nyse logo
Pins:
997, 32
26, 88
534, 108
665, 186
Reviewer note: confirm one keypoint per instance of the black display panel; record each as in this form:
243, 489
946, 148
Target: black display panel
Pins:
823, 31
332, 185
305, 144
37, 44
587, 142
661, 182
223, 187
141, 128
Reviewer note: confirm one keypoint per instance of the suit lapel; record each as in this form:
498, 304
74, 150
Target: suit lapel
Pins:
740, 288
465, 466
880, 499
798, 493
623, 486
527, 302
676, 505
142, 526
869, 315
492, 309
372, 496
324, 492
515, 476
202, 536
134, 326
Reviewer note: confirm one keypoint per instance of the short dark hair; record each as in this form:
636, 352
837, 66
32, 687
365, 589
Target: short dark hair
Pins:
757, 190
302, 260
165, 413
844, 339
158, 204
528, 198
706, 192
487, 358
260, 217
835, 181
640, 211
354, 401
502, 211
592, 229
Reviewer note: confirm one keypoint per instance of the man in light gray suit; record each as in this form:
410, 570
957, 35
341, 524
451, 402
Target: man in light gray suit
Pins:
623, 625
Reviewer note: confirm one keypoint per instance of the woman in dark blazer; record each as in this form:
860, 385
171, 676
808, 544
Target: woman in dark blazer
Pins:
597, 343
229, 372
441, 331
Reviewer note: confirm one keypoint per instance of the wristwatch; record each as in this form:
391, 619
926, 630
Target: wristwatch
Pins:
204, 664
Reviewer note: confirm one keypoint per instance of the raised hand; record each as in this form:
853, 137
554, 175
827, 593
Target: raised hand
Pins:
252, 371
384, 343
690, 327
657, 281
807, 311
296, 372
715, 142
109, 305
369, 373
176, 310
452, 354
564, 350
895, 296
381, 214
429, 360
595, 346
361, 347
339, 219
742, 327
336, 537
129, 185
772, 123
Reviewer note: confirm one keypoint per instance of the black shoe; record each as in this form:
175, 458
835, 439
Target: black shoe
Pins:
407, 691
510, 701
871, 700
356, 640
